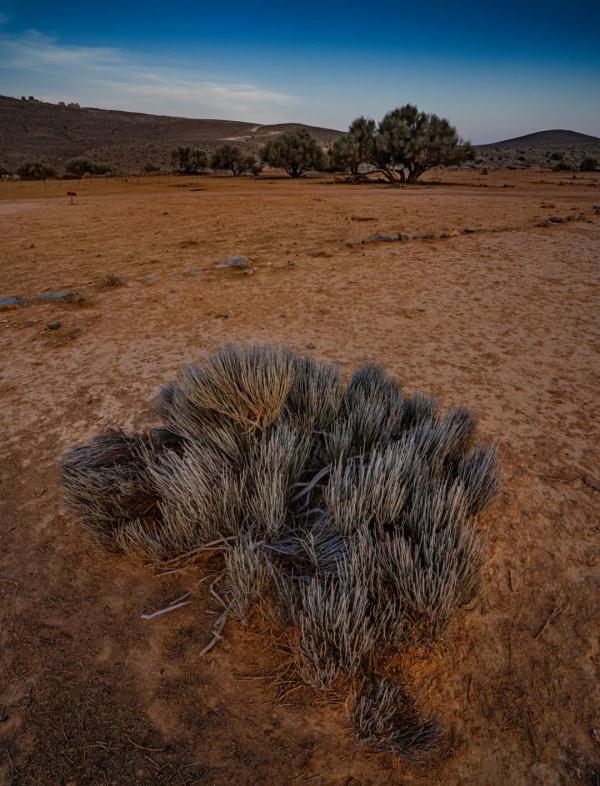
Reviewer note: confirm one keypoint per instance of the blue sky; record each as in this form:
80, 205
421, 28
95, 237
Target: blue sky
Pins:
496, 69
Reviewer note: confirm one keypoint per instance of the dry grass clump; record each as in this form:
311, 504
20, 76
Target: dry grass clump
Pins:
346, 512
385, 718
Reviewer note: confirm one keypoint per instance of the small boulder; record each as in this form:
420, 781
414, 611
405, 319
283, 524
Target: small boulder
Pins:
59, 296
14, 301
53, 325
236, 262
149, 279
391, 237
469, 230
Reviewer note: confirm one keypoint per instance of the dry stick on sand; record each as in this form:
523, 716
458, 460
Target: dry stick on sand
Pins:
555, 614
176, 604
217, 628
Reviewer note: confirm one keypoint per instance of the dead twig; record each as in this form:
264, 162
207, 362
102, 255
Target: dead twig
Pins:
176, 604
583, 478
217, 628
143, 747
554, 615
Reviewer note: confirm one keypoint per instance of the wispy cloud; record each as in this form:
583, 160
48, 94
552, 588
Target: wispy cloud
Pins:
109, 77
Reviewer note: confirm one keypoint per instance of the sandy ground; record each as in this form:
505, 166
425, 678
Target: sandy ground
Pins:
504, 320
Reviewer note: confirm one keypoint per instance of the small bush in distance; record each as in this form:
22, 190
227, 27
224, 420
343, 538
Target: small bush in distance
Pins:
83, 166
35, 170
589, 164
229, 158
345, 510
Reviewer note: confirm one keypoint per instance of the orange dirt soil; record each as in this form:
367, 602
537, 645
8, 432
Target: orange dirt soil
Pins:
504, 320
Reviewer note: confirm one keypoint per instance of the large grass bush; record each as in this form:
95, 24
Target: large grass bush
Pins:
345, 511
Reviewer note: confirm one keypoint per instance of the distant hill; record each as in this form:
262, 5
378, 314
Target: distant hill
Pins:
35, 130
547, 139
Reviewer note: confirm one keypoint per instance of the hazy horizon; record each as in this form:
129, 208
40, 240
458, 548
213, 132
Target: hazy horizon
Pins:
500, 74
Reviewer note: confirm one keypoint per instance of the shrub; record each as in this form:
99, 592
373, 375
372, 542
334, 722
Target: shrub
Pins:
589, 164
83, 166
344, 511
189, 160
150, 168
355, 147
35, 170
232, 159
296, 151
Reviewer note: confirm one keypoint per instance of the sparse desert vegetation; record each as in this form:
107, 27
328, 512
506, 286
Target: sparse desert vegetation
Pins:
355, 648
344, 510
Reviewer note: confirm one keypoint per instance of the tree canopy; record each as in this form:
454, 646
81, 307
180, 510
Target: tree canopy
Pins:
229, 157
295, 151
403, 146
35, 170
189, 160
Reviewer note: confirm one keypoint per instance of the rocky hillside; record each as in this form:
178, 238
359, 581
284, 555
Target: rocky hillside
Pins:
555, 149
34, 130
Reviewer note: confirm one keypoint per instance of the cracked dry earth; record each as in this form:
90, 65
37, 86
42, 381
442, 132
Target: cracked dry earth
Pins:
505, 321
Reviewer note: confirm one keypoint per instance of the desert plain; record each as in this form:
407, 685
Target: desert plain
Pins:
503, 317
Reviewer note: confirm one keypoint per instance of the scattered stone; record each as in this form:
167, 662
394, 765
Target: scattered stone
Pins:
53, 325
362, 218
194, 271
172, 291
60, 295
14, 301
470, 230
310, 346
386, 238
566, 219
149, 279
237, 262
291, 264
428, 236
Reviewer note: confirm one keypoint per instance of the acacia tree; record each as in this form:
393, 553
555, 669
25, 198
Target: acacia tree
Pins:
294, 151
189, 160
229, 157
405, 144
